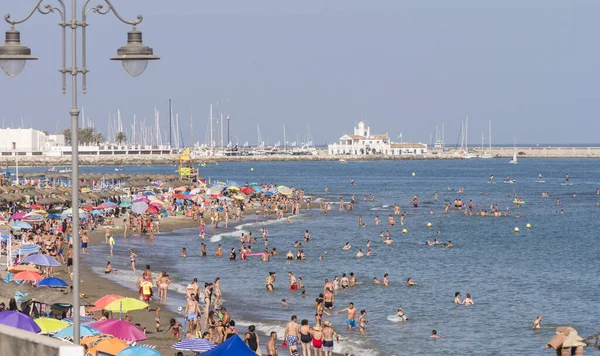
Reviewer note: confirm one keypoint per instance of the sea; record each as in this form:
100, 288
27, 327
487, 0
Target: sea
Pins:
550, 269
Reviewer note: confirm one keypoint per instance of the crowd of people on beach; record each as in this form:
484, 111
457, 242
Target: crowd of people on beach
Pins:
205, 315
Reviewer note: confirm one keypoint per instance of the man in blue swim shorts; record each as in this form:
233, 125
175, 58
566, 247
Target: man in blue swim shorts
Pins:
351, 321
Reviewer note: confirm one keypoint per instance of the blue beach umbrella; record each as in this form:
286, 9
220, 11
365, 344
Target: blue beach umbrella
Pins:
53, 216
139, 351
42, 260
84, 330
96, 212
52, 282
110, 204
27, 250
18, 225
196, 345
125, 204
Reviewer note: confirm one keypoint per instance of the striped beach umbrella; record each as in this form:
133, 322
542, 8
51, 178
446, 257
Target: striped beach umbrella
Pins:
195, 345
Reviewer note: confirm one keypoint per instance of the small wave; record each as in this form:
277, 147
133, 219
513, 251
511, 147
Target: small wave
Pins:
379, 208
236, 234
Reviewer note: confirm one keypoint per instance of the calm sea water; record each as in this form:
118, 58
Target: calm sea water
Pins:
550, 269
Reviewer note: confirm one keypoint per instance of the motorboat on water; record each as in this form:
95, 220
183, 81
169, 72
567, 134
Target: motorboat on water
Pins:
66, 170
343, 160
52, 169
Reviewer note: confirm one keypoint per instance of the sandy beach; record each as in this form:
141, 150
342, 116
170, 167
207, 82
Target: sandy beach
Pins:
95, 287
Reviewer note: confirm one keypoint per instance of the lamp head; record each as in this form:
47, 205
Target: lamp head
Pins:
13, 54
135, 55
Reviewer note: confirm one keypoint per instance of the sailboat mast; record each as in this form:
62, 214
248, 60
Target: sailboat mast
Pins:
170, 125
490, 135
211, 130
467, 134
284, 142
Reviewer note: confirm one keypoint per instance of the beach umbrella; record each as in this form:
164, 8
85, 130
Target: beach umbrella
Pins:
152, 210
142, 200
197, 199
18, 320
104, 301
69, 212
239, 197
125, 204
104, 343
126, 305
50, 325
21, 268
183, 188
88, 208
157, 202
17, 216
282, 189
139, 207
233, 189
139, 351
195, 345
82, 319
180, 196
27, 276
53, 216
26, 250
19, 225
268, 192
36, 206
96, 212
84, 330
33, 216
102, 206
52, 282
248, 190
110, 204
42, 260
121, 329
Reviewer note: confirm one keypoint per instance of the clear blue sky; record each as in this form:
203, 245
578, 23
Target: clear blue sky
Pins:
403, 66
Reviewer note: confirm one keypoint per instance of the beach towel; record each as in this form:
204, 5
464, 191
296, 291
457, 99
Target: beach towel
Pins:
20, 296
8, 277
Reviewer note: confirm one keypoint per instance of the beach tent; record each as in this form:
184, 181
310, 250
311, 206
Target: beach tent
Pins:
234, 346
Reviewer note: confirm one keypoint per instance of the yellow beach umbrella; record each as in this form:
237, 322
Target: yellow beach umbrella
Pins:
50, 325
233, 188
239, 197
160, 202
282, 189
126, 305
41, 212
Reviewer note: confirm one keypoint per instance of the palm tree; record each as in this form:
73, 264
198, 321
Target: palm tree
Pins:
67, 134
121, 138
97, 137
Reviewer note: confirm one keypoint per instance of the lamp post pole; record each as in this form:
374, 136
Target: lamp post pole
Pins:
134, 56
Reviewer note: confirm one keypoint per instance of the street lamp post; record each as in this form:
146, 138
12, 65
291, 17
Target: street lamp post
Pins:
134, 57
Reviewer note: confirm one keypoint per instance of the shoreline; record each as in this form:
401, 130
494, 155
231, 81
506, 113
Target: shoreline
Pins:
322, 155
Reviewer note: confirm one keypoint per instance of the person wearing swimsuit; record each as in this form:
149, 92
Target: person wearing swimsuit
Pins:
317, 340
251, 338
132, 257
305, 337
270, 281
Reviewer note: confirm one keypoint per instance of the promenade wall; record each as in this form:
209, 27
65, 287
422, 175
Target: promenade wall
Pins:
16, 342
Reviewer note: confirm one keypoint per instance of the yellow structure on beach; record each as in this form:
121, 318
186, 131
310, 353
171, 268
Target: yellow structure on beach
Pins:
186, 171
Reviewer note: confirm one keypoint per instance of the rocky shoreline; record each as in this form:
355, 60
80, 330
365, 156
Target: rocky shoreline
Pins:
502, 152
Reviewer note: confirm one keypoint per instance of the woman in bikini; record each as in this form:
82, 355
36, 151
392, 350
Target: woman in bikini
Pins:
217, 291
305, 337
270, 281
132, 257
163, 287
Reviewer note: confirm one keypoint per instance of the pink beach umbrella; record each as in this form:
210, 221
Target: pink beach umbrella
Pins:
120, 329
17, 216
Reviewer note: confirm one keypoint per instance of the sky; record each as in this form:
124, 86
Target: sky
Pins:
531, 67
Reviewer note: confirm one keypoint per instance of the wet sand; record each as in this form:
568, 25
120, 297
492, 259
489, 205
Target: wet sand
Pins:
96, 287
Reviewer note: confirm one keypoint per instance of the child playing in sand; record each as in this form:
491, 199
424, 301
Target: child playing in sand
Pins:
175, 326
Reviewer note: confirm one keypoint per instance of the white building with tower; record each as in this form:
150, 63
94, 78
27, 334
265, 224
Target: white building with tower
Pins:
362, 143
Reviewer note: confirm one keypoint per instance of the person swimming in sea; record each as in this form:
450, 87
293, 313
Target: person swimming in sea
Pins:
346, 246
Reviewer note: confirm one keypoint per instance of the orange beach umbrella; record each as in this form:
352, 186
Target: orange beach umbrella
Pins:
104, 301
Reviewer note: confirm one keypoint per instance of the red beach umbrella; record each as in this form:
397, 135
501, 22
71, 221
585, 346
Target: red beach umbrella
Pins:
104, 301
27, 276
35, 206
152, 209
247, 190
180, 196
